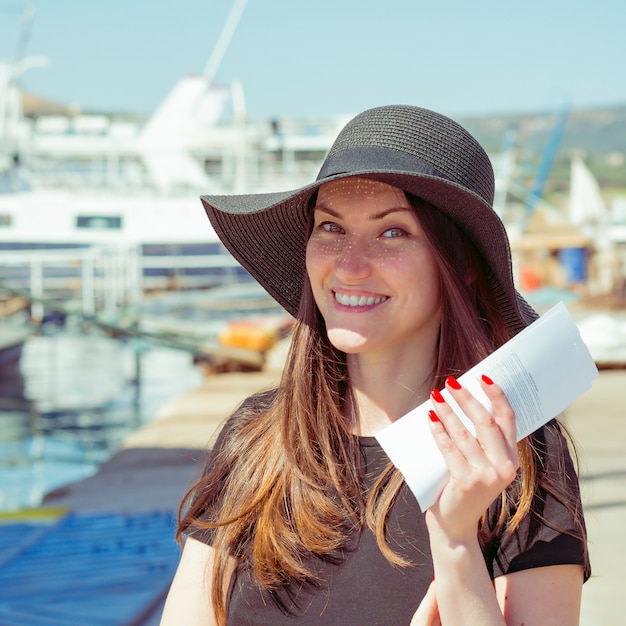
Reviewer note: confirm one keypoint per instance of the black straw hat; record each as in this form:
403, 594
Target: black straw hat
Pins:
420, 151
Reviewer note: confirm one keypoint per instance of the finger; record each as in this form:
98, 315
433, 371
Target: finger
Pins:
456, 444
495, 429
467, 462
453, 422
472, 444
494, 443
501, 408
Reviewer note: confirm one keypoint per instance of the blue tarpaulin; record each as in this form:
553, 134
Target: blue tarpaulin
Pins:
86, 569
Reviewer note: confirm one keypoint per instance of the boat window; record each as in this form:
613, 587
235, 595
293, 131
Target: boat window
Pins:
112, 222
6, 219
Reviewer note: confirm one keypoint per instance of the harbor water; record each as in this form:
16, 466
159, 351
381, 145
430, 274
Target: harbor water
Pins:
81, 394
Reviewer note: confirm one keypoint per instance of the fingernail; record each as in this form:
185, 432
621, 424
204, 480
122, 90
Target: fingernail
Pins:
435, 394
453, 382
487, 380
433, 416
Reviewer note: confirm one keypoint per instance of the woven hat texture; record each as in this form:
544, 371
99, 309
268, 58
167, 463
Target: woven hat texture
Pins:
420, 151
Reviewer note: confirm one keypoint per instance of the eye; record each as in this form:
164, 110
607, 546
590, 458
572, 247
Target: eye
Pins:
330, 227
395, 232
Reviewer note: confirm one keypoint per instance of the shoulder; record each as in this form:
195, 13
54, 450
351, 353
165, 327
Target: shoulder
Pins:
261, 400
255, 404
556, 462
250, 408
553, 531
557, 499
221, 463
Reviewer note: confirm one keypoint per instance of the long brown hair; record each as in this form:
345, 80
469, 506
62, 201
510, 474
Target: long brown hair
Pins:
286, 481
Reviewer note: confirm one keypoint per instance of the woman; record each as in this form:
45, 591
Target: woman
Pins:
398, 272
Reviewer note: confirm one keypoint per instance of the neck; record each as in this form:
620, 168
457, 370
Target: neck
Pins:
383, 390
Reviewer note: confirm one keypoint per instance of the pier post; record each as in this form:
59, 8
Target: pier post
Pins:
36, 288
87, 287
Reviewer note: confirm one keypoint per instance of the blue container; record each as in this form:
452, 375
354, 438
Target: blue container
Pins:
574, 260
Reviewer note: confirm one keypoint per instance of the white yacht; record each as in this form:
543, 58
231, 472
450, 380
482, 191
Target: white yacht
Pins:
128, 188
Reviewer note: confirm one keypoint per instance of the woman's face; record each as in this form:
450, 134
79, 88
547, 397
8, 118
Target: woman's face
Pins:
372, 272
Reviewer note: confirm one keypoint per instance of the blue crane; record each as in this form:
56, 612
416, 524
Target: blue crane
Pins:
548, 152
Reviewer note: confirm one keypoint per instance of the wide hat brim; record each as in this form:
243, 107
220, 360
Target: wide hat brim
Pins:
266, 233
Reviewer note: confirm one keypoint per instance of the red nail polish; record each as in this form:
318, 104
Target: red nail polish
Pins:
453, 382
433, 416
435, 394
487, 380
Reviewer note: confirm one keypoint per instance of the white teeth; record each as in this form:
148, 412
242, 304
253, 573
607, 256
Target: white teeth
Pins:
348, 300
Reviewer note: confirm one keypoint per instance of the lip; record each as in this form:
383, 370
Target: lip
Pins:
357, 301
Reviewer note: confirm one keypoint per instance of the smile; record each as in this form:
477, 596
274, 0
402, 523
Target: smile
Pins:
346, 300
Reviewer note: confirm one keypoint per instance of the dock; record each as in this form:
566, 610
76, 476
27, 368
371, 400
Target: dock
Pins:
159, 462
122, 519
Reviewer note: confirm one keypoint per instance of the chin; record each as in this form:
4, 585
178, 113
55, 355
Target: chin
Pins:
347, 341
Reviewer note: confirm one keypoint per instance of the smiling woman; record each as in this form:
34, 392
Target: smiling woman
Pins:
398, 272
372, 272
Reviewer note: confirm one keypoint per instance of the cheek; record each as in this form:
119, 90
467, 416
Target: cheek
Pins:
434, 281
310, 260
314, 263
318, 256
423, 272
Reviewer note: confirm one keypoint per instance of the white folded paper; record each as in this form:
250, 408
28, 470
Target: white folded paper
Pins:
542, 370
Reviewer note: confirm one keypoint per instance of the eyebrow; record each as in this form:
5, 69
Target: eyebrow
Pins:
376, 216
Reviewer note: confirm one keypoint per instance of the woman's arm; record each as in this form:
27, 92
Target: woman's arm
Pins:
481, 467
464, 590
189, 598
542, 596
549, 596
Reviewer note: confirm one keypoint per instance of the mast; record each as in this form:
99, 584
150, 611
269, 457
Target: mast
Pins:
22, 42
224, 40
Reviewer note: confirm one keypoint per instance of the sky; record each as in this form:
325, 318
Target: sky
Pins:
325, 57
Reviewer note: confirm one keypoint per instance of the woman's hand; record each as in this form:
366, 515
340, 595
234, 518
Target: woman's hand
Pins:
480, 467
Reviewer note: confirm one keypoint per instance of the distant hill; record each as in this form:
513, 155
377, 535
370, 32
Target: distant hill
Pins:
599, 134
595, 131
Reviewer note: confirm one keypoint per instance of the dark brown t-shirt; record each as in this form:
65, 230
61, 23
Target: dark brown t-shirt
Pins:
359, 586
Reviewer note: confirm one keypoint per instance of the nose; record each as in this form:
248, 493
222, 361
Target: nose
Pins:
352, 261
